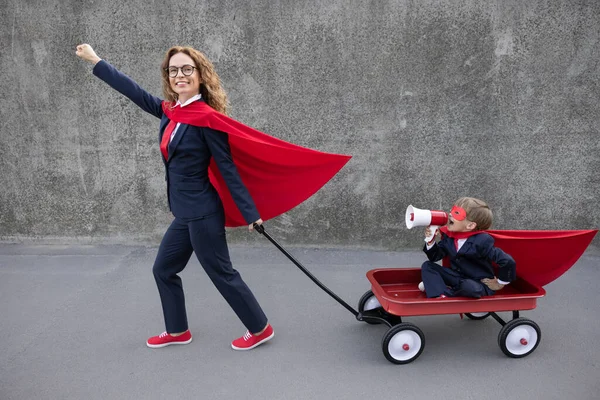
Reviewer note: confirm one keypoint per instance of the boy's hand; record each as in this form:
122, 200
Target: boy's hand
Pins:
492, 283
428, 233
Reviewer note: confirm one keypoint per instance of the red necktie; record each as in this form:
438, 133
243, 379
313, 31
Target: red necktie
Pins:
166, 138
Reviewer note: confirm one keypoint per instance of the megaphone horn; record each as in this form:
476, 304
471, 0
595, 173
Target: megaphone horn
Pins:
432, 218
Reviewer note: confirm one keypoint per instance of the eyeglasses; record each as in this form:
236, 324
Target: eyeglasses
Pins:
186, 70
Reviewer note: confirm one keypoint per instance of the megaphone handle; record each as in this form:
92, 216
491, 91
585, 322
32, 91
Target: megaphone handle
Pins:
432, 228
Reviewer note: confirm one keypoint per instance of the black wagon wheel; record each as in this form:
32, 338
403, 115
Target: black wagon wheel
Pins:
403, 343
369, 302
519, 337
478, 315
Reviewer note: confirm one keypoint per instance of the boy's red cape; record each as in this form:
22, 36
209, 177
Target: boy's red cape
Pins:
541, 256
279, 175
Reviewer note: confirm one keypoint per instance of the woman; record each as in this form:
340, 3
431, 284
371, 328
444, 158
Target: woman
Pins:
188, 77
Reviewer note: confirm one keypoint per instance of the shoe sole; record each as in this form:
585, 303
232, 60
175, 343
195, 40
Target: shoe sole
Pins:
257, 344
158, 346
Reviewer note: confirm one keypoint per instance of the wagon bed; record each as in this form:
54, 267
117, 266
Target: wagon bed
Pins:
398, 293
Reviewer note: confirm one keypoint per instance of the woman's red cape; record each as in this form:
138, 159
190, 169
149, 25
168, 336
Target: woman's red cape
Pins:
279, 175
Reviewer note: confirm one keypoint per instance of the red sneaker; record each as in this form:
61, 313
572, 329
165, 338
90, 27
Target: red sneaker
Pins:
165, 339
250, 341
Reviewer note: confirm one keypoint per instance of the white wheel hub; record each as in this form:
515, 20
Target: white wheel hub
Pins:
404, 345
479, 314
521, 339
372, 303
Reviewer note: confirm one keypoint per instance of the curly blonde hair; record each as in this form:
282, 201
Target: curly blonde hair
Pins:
477, 211
210, 87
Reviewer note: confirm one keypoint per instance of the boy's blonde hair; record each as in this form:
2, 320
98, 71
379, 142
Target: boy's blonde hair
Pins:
477, 211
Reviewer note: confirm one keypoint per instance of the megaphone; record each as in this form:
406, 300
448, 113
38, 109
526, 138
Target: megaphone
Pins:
431, 218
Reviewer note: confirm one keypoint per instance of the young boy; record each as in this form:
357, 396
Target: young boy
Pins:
471, 253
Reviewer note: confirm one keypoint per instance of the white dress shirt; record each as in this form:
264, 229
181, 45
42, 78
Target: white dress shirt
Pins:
190, 101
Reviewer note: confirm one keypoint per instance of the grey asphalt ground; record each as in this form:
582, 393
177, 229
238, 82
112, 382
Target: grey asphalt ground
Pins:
74, 320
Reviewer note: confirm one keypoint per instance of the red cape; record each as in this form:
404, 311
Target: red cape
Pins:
279, 175
541, 256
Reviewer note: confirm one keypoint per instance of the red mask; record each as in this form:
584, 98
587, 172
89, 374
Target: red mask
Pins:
458, 213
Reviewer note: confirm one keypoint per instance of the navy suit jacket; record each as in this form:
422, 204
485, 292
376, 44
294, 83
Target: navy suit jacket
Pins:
189, 191
475, 257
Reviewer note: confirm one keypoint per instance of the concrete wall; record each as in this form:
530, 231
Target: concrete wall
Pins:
435, 99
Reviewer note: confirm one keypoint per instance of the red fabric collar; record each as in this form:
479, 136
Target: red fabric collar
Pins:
458, 235
279, 175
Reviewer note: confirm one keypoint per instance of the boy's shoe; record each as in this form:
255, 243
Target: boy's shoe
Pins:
421, 287
250, 341
165, 339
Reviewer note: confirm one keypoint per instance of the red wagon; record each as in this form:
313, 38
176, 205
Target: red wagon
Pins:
394, 294
541, 257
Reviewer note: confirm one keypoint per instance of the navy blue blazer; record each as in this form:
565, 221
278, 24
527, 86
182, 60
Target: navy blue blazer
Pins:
475, 257
189, 191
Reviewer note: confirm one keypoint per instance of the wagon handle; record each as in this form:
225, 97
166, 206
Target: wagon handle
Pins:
261, 229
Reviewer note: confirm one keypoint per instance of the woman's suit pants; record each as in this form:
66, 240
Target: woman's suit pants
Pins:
206, 237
